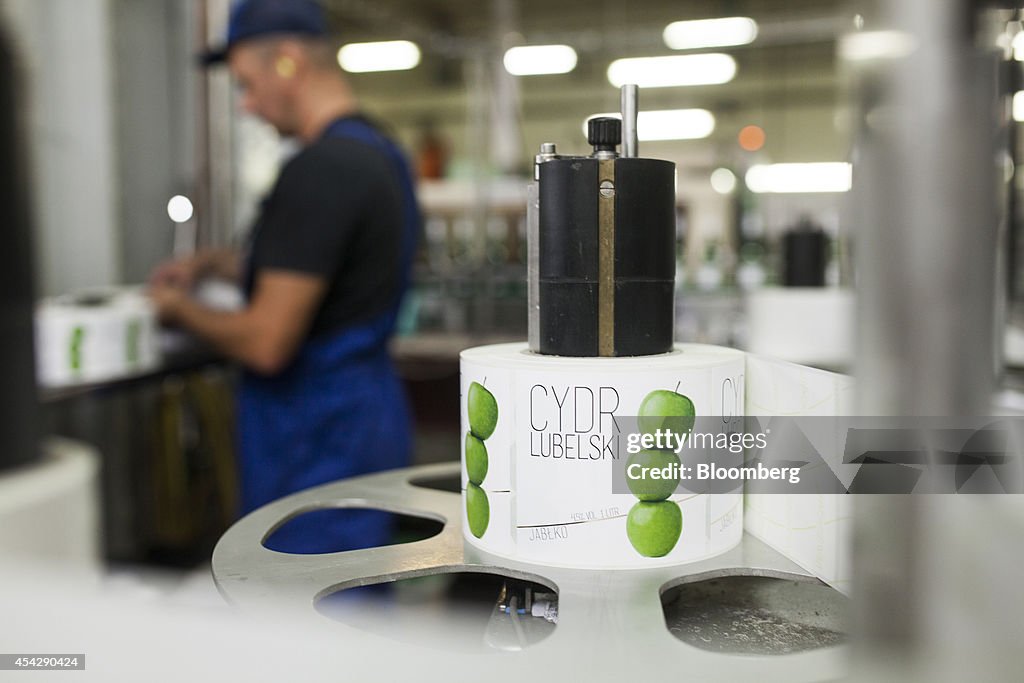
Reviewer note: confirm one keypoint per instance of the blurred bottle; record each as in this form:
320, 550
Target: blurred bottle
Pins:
709, 275
833, 274
751, 273
431, 152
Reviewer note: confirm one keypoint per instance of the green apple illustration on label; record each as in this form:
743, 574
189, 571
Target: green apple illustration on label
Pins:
642, 484
664, 409
483, 418
478, 510
476, 459
483, 411
654, 527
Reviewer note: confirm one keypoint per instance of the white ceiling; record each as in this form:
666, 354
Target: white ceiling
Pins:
787, 75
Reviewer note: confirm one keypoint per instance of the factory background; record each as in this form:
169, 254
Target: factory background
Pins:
136, 154
112, 87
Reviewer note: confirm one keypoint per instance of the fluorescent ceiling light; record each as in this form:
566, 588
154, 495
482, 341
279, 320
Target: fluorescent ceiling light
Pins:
389, 55
1018, 105
669, 124
1018, 46
868, 45
688, 35
535, 60
799, 178
677, 70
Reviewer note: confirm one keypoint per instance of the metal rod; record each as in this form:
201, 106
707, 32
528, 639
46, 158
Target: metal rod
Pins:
630, 107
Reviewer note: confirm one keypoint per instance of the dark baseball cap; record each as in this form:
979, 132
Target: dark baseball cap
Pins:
258, 18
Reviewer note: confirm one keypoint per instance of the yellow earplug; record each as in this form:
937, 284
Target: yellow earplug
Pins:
285, 67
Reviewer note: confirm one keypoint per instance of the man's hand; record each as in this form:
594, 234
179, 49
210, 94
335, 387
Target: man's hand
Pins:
266, 334
182, 273
168, 298
188, 271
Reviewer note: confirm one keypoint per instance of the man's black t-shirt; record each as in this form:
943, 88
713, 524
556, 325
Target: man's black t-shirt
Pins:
335, 212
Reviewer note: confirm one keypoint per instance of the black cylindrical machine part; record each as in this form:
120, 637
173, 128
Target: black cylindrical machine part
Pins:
639, 245
805, 256
19, 425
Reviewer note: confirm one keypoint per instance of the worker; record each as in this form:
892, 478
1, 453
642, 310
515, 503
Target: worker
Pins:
327, 263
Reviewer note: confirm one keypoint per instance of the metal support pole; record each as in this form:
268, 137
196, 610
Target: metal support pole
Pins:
924, 225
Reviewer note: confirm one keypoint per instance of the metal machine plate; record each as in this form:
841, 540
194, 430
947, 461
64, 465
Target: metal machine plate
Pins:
610, 622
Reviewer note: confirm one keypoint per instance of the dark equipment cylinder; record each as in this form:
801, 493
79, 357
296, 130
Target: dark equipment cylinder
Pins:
19, 419
805, 256
607, 256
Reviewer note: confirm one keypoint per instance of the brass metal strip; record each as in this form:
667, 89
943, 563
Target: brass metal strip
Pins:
606, 258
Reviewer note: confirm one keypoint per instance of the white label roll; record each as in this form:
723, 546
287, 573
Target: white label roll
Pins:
540, 448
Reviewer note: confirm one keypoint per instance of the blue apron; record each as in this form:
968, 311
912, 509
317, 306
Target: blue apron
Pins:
338, 411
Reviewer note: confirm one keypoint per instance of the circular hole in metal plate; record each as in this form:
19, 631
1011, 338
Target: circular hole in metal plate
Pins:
332, 530
465, 612
756, 615
444, 482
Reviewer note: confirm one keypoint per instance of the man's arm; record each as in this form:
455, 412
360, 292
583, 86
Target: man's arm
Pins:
265, 335
224, 263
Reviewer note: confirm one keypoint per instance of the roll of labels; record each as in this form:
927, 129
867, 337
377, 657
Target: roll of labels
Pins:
547, 425
95, 336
